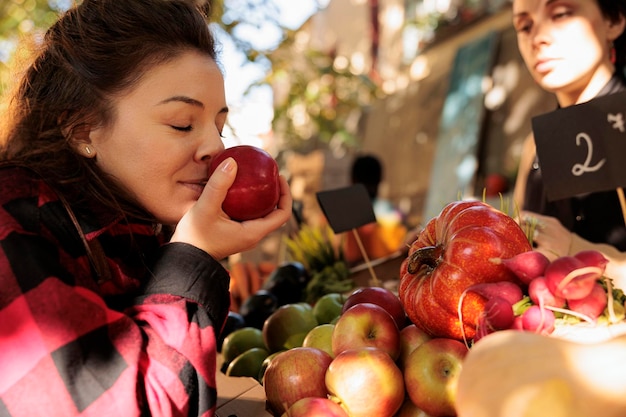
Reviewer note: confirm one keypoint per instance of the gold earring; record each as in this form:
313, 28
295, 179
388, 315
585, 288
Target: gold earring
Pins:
88, 151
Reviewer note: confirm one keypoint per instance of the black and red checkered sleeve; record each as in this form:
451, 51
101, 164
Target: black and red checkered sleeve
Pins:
65, 352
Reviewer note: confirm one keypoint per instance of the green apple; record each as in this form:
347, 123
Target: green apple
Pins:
248, 363
321, 337
287, 327
265, 364
240, 341
328, 307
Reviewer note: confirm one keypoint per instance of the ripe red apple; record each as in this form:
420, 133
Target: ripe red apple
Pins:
295, 374
410, 338
366, 324
256, 189
431, 375
315, 407
287, 327
381, 296
366, 382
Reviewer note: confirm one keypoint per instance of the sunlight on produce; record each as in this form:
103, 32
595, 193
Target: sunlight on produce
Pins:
599, 368
550, 397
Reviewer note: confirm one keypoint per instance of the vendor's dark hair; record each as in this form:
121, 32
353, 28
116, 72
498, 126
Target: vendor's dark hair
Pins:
92, 53
613, 9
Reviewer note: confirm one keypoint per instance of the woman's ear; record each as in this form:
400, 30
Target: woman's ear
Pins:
616, 28
81, 143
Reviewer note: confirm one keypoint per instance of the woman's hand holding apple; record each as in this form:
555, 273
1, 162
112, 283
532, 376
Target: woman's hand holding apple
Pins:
207, 227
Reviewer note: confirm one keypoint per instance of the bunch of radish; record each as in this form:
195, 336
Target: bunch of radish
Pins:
569, 286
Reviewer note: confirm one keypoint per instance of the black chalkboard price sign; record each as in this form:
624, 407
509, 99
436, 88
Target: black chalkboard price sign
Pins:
582, 148
346, 209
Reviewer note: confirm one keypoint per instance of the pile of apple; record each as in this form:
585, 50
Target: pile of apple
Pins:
368, 360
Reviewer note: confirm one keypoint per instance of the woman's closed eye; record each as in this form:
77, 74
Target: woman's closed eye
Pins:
188, 128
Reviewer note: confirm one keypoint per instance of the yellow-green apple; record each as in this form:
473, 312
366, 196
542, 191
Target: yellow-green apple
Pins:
321, 337
411, 337
366, 324
431, 374
315, 407
328, 307
384, 297
287, 327
294, 374
409, 409
366, 382
265, 364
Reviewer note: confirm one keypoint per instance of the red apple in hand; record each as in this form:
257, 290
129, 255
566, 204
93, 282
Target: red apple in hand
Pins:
366, 324
256, 190
431, 374
315, 407
295, 374
366, 382
381, 296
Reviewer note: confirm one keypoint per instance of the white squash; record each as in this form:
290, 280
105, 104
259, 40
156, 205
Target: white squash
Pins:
522, 374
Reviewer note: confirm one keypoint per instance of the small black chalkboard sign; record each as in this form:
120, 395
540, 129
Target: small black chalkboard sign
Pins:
582, 148
347, 208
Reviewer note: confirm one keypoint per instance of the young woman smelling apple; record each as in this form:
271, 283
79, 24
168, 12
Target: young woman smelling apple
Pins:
113, 295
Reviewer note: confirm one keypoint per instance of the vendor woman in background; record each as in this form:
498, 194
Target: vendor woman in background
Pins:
575, 49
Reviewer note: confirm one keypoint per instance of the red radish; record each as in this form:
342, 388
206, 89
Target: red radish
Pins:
500, 297
540, 294
509, 291
592, 305
592, 258
518, 323
570, 278
538, 320
482, 329
499, 313
527, 265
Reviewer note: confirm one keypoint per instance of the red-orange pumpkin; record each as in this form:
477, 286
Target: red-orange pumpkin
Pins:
464, 245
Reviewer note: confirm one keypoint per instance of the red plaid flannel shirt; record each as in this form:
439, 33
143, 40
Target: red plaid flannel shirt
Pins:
142, 343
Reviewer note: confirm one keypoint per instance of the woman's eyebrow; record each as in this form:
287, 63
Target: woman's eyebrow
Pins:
524, 13
183, 99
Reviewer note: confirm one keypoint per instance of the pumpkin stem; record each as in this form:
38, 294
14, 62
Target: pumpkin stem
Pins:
428, 256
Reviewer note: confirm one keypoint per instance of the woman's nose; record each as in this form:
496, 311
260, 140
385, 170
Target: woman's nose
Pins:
540, 34
210, 146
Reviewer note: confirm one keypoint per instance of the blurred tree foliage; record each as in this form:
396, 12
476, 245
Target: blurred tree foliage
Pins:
319, 103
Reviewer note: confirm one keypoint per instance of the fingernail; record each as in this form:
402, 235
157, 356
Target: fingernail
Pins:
228, 165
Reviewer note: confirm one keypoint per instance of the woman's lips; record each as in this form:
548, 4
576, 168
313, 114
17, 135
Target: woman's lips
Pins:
196, 186
544, 66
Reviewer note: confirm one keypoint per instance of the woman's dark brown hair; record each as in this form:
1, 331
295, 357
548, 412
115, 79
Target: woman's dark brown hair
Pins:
94, 52
613, 9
